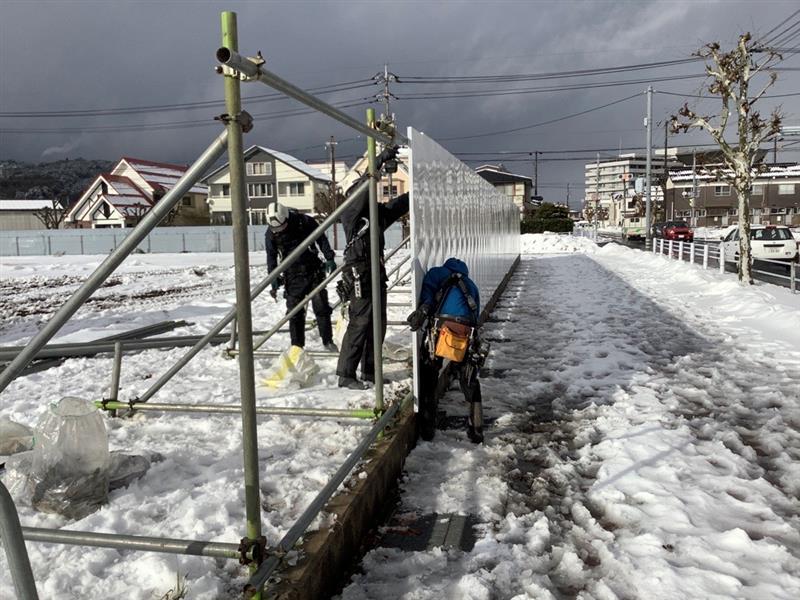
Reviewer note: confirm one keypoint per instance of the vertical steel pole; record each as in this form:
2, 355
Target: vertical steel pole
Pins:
233, 105
705, 256
793, 277
17, 554
375, 266
648, 219
596, 194
113, 393
722, 258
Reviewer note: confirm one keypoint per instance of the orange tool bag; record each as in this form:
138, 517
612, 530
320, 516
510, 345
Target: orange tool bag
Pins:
452, 341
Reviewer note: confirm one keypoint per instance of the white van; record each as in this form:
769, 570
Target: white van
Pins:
767, 242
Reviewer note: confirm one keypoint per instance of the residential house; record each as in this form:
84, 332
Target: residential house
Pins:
270, 175
516, 187
21, 214
391, 184
703, 199
122, 197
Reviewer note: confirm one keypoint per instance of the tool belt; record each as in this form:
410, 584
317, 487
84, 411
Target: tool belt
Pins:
449, 338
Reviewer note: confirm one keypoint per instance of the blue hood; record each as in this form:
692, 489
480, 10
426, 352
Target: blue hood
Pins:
457, 266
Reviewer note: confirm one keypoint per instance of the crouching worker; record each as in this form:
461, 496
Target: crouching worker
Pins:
287, 228
448, 312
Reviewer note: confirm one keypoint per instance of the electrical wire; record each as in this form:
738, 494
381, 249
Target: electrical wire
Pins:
524, 127
682, 95
547, 75
133, 110
177, 124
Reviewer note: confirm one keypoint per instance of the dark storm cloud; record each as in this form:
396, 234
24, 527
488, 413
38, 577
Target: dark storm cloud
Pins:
85, 55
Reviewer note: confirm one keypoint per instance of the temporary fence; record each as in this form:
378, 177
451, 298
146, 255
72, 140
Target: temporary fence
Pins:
203, 238
454, 212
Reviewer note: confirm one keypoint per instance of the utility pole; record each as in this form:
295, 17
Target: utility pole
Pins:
648, 207
596, 194
568, 196
693, 199
387, 116
666, 174
536, 173
334, 197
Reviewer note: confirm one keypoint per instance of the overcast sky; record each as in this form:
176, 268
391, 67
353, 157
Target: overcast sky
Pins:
69, 55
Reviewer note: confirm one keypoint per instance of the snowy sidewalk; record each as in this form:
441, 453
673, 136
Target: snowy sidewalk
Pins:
646, 443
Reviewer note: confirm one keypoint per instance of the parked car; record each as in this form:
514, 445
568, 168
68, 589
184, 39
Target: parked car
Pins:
674, 230
767, 242
657, 230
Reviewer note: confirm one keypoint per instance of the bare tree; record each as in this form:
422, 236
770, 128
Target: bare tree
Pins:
731, 75
51, 216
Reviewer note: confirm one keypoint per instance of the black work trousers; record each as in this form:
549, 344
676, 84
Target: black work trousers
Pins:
357, 345
298, 284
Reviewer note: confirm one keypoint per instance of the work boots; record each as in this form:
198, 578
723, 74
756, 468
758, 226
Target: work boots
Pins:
475, 423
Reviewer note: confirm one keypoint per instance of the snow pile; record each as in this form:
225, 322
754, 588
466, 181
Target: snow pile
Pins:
555, 243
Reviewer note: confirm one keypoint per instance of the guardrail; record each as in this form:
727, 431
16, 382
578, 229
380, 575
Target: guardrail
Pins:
712, 255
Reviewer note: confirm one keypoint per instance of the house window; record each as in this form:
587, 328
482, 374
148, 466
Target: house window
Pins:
755, 211
220, 189
260, 190
292, 188
785, 189
186, 201
259, 168
777, 211
386, 190
722, 190
700, 212
758, 190
733, 212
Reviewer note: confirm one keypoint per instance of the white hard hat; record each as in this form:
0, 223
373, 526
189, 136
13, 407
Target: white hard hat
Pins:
277, 216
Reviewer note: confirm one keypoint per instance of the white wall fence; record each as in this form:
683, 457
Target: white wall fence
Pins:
161, 240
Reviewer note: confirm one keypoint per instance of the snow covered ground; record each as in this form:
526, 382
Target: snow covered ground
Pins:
645, 442
197, 491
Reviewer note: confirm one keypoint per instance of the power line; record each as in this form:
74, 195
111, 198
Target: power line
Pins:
133, 110
571, 87
547, 75
177, 124
682, 95
524, 127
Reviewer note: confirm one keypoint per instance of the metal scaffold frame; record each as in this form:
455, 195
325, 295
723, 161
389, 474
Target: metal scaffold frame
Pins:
253, 548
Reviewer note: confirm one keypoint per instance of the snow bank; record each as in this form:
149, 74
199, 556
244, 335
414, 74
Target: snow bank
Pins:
555, 243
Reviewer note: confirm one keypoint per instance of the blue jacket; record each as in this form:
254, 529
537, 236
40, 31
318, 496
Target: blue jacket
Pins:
454, 302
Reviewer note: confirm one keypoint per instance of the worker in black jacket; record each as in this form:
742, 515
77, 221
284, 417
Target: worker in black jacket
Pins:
355, 287
287, 228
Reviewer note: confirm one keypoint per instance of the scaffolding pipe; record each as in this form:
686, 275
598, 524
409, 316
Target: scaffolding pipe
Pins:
300, 306
258, 343
392, 272
376, 265
260, 577
14, 543
273, 275
247, 383
128, 245
131, 542
230, 58
289, 411
92, 348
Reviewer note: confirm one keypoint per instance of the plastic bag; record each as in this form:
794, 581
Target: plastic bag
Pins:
293, 368
69, 472
342, 321
14, 437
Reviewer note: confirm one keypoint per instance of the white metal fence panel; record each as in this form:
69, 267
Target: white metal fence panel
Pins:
455, 212
161, 240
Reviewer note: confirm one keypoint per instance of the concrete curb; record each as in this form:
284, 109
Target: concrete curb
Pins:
329, 553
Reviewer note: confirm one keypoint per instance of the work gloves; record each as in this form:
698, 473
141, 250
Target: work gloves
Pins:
417, 318
387, 154
330, 266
